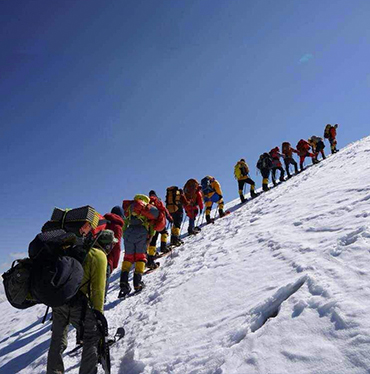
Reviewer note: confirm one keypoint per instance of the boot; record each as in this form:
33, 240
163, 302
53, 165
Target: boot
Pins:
221, 213
209, 219
164, 248
151, 263
265, 187
125, 288
175, 241
253, 194
242, 199
282, 176
138, 283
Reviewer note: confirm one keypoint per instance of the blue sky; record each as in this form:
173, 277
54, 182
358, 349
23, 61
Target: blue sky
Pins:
102, 100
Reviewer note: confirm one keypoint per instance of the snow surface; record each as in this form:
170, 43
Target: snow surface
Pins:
281, 285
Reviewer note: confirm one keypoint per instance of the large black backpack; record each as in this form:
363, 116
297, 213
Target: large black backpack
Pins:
53, 273
57, 271
264, 162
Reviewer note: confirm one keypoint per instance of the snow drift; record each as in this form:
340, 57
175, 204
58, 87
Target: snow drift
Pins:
281, 285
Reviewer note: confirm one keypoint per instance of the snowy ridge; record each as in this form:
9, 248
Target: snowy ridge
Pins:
281, 285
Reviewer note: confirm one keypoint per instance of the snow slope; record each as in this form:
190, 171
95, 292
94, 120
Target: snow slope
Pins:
281, 285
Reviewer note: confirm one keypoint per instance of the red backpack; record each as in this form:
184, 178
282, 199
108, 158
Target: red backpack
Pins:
286, 147
140, 208
160, 222
190, 189
303, 145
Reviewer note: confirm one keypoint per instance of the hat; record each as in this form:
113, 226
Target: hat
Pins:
107, 237
242, 160
106, 240
142, 198
152, 193
118, 210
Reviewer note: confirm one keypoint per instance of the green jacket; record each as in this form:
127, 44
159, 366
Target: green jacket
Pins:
94, 279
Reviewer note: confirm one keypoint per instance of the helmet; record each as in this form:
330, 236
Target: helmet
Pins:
145, 199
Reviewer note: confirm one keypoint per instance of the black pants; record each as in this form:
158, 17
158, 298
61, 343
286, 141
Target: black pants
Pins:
290, 161
153, 242
274, 173
177, 218
242, 182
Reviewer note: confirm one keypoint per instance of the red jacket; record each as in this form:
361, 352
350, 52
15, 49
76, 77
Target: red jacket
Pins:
115, 224
275, 155
191, 208
332, 133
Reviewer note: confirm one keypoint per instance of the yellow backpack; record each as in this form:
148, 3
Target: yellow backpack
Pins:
173, 199
241, 169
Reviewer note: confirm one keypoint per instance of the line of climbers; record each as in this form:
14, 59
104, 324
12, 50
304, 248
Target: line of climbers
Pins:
142, 230
270, 162
139, 222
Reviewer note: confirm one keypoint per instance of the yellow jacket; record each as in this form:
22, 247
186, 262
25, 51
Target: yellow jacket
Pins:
238, 170
216, 187
93, 281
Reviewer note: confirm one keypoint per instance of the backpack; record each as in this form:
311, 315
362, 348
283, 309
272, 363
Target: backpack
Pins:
274, 153
285, 147
160, 222
57, 271
241, 170
173, 199
53, 272
327, 131
190, 189
264, 162
302, 145
206, 185
16, 284
142, 212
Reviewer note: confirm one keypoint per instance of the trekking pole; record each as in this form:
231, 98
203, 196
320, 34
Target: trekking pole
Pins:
182, 225
197, 224
204, 212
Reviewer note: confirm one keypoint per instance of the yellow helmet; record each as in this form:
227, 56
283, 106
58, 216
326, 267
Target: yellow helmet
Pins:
142, 198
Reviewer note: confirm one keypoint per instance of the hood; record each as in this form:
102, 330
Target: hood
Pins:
114, 218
